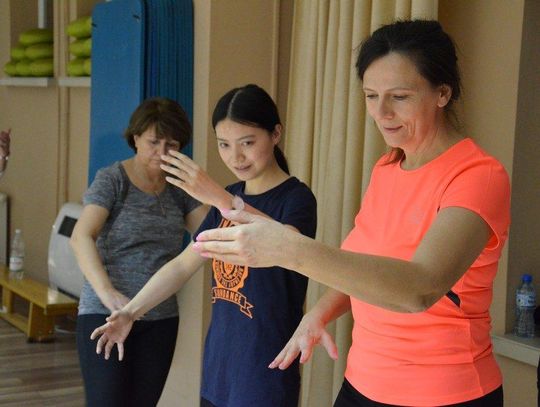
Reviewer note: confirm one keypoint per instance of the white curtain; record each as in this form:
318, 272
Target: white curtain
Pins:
331, 144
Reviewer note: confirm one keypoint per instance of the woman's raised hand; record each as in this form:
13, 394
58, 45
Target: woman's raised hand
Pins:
187, 175
114, 332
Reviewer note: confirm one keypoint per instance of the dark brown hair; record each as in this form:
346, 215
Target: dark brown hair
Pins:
430, 49
165, 115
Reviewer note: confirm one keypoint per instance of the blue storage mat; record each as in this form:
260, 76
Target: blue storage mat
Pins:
117, 78
140, 49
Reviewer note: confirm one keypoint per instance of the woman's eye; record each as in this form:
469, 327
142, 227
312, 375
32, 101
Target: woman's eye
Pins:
222, 145
400, 97
247, 143
371, 96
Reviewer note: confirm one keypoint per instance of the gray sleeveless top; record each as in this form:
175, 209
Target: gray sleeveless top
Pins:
142, 233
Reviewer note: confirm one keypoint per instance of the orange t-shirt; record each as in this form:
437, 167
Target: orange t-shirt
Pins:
444, 354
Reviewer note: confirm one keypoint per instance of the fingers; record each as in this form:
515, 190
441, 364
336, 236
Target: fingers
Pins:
176, 159
98, 331
100, 343
328, 342
286, 357
108, 347
178, 173
120, 347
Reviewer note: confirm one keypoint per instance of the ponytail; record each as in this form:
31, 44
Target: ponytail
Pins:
281, 160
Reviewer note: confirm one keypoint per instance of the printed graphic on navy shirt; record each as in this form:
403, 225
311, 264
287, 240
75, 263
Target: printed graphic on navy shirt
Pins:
229, 280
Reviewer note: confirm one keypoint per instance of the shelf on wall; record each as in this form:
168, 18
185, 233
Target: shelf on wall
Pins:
42, 82
74, 81
526, 350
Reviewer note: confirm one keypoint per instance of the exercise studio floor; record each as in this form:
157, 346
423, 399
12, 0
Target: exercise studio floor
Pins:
39, 374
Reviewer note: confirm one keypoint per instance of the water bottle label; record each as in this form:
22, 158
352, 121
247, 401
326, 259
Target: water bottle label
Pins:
525, 300
16, 263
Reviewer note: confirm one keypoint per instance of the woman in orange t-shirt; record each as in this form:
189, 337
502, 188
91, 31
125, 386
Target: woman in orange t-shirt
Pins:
417, 269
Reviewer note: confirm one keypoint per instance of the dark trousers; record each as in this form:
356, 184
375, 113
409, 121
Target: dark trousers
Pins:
206, 403
538, 381
138, 380
350, 397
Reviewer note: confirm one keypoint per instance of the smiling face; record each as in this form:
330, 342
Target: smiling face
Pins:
247, 151
408, 110
150, 148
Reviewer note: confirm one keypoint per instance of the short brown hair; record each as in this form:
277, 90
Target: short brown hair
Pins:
166, 115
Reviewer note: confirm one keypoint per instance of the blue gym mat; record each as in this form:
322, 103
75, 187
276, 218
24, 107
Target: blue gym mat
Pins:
140, 49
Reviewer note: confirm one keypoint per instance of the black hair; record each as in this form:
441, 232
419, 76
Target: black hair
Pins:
426, 44
250, 105
167, 117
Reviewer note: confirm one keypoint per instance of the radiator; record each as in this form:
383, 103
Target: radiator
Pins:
3, 228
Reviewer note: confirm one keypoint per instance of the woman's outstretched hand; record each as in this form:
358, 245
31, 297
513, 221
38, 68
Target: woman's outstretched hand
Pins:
254, 241
114, 332
310, 332
187, 175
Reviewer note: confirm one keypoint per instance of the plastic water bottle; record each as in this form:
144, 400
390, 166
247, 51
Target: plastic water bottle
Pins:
525, 305
16, 258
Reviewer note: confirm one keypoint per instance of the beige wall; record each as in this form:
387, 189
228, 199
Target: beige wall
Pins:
498, 102
51, 132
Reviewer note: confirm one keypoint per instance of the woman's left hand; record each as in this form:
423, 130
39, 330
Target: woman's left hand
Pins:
254, 241
187, 175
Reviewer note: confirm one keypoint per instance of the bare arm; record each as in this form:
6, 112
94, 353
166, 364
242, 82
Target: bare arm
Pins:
83, 242
167, 281
453, 242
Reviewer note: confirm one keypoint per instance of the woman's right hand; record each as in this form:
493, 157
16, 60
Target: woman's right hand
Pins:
190, 177
113, 299
115, 331
310, 332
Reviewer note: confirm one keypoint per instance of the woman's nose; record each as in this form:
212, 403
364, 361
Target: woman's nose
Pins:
383, 109
162, 147
237, 153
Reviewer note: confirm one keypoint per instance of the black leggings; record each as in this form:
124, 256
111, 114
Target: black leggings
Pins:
350, 397
139, 379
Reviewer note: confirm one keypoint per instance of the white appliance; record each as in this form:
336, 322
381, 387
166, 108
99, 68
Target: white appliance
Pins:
64, 272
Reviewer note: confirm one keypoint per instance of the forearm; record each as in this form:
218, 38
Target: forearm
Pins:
331, 306
165, 283
390, 283
90, 263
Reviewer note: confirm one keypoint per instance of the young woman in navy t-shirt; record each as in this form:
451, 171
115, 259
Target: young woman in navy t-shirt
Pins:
255, 310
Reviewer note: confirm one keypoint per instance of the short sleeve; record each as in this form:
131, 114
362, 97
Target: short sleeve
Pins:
300, 211
209, 222
103, 190
190, 203
483, 187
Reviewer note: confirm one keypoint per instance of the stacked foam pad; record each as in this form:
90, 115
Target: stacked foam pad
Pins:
80, 48
33, 56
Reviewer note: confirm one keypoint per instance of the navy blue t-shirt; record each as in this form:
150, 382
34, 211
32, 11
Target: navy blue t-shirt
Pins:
256, 310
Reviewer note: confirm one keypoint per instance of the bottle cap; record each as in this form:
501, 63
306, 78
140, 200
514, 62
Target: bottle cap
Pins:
526, 278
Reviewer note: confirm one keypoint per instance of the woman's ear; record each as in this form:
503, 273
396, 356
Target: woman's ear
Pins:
276, 134
445, 94
136, 138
